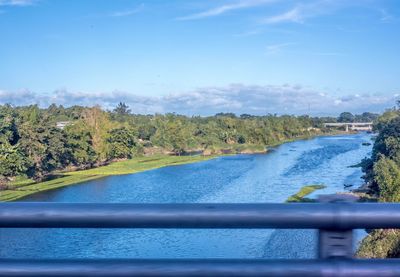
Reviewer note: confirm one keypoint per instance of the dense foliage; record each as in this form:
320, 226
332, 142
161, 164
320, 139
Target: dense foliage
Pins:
383, 175
382, 169
35, 142
364, 117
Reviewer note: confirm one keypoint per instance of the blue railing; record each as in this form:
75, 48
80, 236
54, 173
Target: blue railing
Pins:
335, 222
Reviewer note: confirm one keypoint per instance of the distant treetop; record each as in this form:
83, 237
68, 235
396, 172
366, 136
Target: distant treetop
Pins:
122, 109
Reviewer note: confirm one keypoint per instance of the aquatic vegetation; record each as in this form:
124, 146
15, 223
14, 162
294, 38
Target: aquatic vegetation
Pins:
303, 192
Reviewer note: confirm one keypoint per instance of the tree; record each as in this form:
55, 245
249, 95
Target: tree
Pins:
146, 131
98, 123
387, 176
12, 161
79, 143
367, 117
387, 142
57, 153
382, 121
172, 133
45, 147
382, 172
34, 149
8, 127
241, 139
231, 115
122, 142
346, 117
246, 116
122, 109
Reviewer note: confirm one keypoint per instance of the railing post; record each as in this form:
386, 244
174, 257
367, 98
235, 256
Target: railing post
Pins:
335, 243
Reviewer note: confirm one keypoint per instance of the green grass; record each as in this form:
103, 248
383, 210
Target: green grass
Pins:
248, 148
22, 187
303, 192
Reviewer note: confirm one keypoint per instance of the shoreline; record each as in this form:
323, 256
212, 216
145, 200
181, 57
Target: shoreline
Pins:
25, 187
28, 187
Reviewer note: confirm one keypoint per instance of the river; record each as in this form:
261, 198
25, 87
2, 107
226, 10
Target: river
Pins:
270, 177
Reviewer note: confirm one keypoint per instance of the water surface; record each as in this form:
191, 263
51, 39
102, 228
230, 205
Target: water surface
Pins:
271, 177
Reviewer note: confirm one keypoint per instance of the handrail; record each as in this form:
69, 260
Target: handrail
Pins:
286, 216
335, 222
192, 268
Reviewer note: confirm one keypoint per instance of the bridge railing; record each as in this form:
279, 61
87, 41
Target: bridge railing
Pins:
335, 222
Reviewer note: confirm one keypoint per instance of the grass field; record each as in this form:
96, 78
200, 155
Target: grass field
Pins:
22, 186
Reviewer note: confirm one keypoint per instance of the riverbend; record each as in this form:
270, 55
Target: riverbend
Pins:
272, 177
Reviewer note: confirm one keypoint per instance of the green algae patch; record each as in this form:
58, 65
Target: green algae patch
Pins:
303, 192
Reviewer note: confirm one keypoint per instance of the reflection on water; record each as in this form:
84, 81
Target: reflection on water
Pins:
271, 177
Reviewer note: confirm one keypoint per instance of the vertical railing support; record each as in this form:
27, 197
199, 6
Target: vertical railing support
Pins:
335, 243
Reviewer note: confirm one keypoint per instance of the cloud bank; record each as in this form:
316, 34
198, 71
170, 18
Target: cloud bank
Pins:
237, 98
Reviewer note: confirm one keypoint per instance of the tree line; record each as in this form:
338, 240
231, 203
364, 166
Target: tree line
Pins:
35, 141
382, 174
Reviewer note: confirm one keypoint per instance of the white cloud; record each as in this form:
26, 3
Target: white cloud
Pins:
243, 4
248, 33
127, 12
309, 9
293, 15
237, 98
386, 16
335, 54
16, 2
277, 48
274, 49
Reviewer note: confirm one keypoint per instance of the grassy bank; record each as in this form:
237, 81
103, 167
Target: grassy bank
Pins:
303, 192
22, 187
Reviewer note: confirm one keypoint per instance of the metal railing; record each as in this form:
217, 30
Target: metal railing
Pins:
335, 222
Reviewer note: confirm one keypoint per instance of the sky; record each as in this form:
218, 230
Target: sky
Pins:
199, 57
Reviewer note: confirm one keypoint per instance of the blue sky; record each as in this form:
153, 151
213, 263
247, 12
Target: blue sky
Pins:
201, 57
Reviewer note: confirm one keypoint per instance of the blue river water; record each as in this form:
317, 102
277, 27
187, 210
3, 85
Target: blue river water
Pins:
270, 177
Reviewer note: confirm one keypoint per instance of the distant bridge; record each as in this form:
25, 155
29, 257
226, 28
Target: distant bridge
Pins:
352, 126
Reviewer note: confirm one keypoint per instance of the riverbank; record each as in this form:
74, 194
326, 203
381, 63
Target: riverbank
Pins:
23, 187
264, 178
